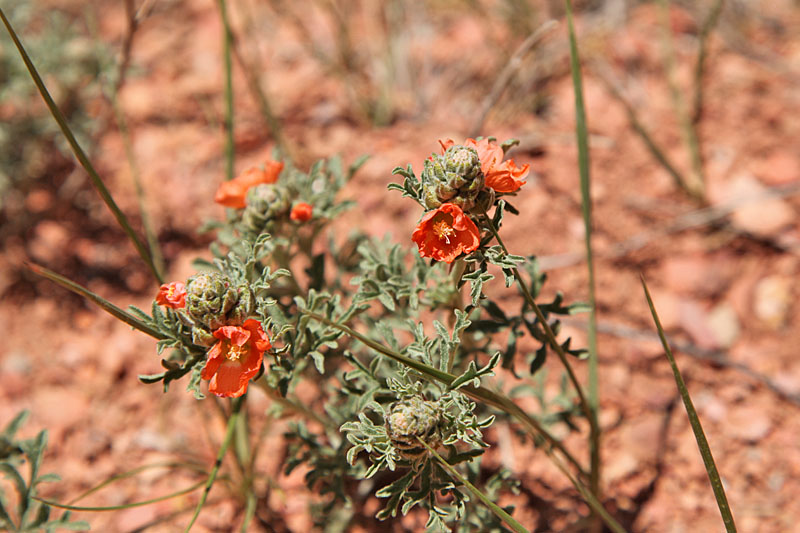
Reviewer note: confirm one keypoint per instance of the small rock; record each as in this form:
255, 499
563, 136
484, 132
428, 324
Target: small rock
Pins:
771, 299
764, 218
695, 274
49, 241
694, 320
749, 424
780, 167
724, 324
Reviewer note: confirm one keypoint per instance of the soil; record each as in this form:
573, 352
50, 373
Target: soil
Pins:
723, 285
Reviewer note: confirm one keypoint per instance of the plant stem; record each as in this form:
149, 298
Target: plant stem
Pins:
702, 52
226, 51
496, 509
688, 131
551, 337
237, 406
293, 405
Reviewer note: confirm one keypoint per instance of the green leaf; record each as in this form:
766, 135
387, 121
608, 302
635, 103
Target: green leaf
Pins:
694, 420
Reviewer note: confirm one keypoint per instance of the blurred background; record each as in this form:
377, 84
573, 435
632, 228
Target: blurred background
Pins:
695, 168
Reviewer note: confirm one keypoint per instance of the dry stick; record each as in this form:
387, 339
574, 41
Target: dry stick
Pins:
505, 77
699, 217
702, 52
688, 131
254, 84
719, 357
604, 73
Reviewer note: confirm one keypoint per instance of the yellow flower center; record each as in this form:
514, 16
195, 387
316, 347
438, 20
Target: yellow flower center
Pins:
234, 352
443, 230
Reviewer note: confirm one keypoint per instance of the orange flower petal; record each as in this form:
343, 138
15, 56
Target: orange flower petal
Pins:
172, 295
507, 177
236, 358
233, 193
301, 212
445, 233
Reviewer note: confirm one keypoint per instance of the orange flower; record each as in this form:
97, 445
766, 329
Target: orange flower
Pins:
232, 193
236, 358
445, 233
301, 212
172, 295
502, 176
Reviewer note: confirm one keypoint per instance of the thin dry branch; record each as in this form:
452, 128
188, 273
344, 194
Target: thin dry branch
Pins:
507, 74
692, 219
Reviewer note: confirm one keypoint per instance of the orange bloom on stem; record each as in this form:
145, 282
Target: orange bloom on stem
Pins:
445, 233
233, 193
502, 176
172, 295
236, 358
301, 212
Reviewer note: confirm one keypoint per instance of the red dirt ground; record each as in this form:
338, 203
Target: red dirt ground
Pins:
723, 290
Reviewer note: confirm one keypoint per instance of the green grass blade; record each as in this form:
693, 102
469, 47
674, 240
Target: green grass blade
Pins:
228, 63
122, 220
120, 507
582, 136
229, 431
493, 507
694, 420
107, 306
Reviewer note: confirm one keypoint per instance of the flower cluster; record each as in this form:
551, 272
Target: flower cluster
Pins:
466, 178
262, 199
218, 311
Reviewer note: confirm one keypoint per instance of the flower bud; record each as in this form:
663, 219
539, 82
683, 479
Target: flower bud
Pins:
411, 418
453, 177
264, 203
213, 301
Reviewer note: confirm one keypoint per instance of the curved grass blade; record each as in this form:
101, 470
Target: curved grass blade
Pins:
122, 220
237, 406
582, 135
133, 472
493, 507
694, 420
107, 306
120, 507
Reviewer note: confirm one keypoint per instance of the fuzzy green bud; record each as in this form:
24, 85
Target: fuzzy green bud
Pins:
453, 177
411, 418
265, 203
213, 301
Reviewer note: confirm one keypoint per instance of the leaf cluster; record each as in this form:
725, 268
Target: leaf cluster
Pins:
30, 514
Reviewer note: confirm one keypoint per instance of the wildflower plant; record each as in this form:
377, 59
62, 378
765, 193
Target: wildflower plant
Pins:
409, 346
